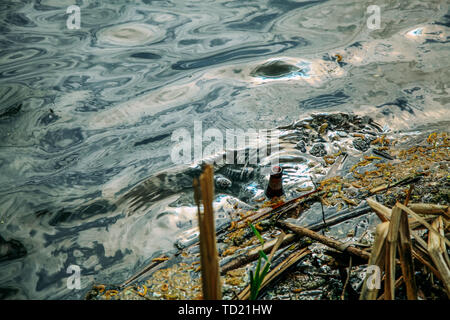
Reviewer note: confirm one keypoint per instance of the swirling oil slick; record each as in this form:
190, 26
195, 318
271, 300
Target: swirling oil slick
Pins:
86, 115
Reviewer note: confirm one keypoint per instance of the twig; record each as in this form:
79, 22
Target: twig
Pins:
279, 210
347, 279
321, 205
338, 245
294, 204
408, 195
341, 217
136, 276
252, 255
407, 180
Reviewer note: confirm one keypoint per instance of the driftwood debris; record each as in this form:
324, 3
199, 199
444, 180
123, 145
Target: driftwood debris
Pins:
377, 257
253, 254
438, 253
279, 210
408, 180
155, 262
342, 216
395, 233
384, 213
406, 258
335, 244
391, 251
424, 222
428, 208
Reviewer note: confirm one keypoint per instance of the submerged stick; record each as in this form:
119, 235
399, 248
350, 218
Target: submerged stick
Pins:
252, 255
341, 217
347, 279
148, 268
408, 180
335, 244
281, 209
208, 250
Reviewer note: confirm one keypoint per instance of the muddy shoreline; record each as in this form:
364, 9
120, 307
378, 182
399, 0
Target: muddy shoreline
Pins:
356, 160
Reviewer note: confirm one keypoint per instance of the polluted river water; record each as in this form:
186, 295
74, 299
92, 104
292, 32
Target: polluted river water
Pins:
87, 116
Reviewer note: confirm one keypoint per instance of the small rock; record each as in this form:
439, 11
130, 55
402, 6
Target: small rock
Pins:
222, 182
361, 144
318, 150
301, 146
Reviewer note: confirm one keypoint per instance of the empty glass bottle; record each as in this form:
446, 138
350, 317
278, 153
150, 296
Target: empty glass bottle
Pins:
275, 186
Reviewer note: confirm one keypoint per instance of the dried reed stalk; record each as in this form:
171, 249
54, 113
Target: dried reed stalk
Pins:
398, 282
209, 259
377, 258
418, 252
437, 251
425, 260
406, 259
391, 252
428, 208
423, 221
384, 213
338, 245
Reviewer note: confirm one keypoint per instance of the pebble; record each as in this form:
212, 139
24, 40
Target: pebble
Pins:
361, 144
301, 146
318, 150
222, 182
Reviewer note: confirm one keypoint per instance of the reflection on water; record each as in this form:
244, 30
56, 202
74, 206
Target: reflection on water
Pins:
87, 114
